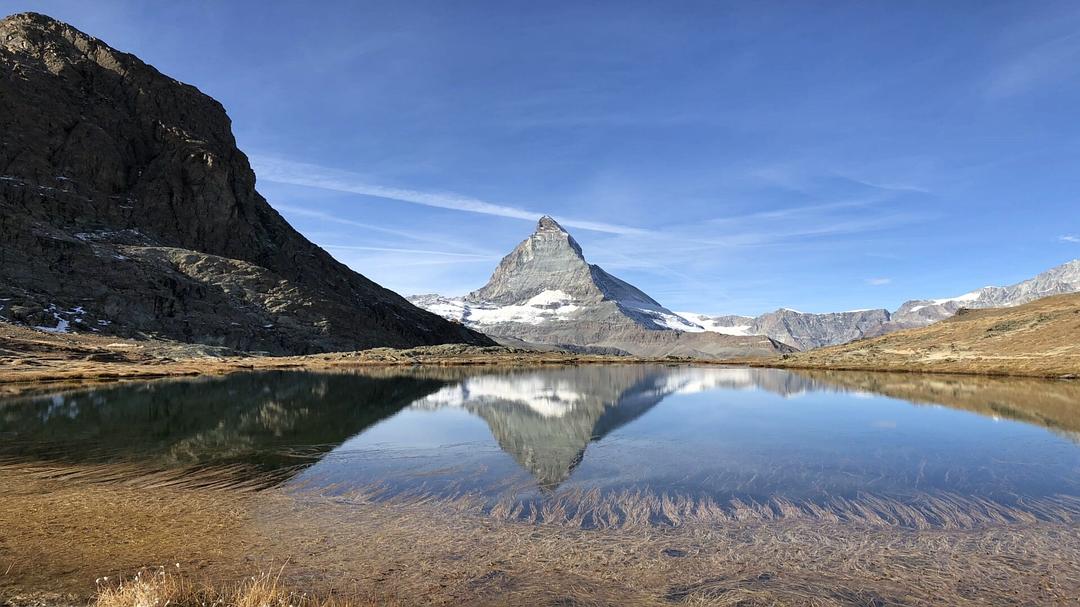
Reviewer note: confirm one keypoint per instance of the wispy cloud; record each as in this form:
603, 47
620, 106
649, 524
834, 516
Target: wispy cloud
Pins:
331, 218
314, 176
1069, 238
877, 282
344, 247
886, 186
807, 176
1052, 60
764, 234
797, 212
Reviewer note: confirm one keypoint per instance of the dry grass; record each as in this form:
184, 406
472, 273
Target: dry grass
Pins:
1037, 339
164, 586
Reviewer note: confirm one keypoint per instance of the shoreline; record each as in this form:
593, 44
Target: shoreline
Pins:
908, 369
31, 359
17, 380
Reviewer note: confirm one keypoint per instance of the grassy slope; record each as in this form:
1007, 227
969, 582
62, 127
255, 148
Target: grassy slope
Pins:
1040, 339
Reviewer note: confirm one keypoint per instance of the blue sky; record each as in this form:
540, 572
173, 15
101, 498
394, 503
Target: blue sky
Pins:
726, 157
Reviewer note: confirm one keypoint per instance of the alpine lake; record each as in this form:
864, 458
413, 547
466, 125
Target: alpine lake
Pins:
292, 469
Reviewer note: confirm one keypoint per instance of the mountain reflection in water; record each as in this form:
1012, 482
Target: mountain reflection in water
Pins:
721, 430
269, 423
545, 419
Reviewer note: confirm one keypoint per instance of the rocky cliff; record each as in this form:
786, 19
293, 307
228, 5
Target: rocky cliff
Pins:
126, 208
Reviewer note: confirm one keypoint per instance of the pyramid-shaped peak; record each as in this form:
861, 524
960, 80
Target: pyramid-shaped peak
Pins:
30, 17
547, 223
43, 28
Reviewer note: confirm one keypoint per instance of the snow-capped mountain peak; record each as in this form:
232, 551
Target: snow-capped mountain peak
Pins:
545, 291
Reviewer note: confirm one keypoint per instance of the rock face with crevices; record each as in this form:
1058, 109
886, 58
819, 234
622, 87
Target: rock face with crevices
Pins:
126, 208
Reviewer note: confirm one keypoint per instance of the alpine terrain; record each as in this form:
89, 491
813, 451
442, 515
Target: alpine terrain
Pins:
545, 292
807, 331
1028, 339
127, 209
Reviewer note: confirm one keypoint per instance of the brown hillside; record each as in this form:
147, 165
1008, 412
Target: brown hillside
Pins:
1041, 338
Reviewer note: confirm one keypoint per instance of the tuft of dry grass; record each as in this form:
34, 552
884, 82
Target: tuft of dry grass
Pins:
164, 587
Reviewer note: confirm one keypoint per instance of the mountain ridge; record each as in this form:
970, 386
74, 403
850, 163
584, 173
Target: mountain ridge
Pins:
127, 209
814, 330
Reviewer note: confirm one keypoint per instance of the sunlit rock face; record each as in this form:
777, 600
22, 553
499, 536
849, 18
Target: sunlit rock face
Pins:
545, 292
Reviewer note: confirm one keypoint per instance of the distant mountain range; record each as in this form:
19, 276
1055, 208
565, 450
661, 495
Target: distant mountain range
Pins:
1037, 338
545, 292
127, 209
807, 331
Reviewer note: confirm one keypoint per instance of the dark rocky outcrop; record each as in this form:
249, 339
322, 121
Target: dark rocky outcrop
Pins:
126, 208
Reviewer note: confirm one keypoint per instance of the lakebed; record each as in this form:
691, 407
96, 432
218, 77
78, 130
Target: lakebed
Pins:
598, 484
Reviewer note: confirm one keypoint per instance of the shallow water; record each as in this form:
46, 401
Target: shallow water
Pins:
724, 434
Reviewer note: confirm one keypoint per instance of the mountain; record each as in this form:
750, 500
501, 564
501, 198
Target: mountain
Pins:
545, 292
807, 331
127, 209
1039, 338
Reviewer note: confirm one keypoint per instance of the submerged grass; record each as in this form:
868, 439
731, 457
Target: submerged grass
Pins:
61, 535
638, 508
594, 508
589, 508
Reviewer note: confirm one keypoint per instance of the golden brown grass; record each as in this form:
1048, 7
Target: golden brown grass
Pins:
165, 586
1038, 339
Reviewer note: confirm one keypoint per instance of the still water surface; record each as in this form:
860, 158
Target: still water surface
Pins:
725, 433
